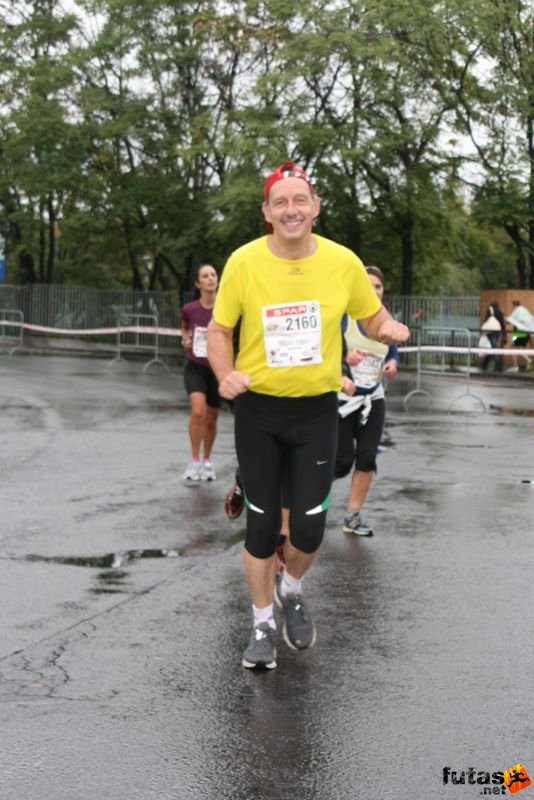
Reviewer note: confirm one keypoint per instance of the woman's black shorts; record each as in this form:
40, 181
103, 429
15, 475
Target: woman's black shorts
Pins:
200, 378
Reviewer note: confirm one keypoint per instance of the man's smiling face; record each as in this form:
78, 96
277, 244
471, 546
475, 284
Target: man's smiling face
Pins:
291, 208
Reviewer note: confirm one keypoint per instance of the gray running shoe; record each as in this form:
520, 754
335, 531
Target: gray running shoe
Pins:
353, 523
261, 650
299, 630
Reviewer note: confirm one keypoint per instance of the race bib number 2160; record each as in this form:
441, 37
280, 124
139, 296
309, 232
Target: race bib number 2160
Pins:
292, 334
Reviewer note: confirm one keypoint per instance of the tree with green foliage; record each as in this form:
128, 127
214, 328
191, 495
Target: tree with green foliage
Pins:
134, 134
492, 90
41, 149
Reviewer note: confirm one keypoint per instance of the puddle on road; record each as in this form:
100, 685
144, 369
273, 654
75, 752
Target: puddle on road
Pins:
112, 565
109, 561
112, 579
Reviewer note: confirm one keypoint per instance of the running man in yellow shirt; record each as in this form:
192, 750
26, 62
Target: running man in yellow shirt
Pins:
290, 290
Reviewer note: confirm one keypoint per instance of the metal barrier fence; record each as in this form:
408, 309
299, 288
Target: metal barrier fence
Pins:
438, 341
11, 328
468, 352
143, 339
435, 312
466, 342
77, 307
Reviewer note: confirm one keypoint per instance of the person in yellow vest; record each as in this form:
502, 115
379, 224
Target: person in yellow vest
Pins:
290, 290
362, 416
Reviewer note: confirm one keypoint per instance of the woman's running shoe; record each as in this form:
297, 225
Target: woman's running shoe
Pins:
353, 523
192, 472
207, 473
234, 502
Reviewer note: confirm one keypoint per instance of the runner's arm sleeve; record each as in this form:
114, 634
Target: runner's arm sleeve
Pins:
393, 352
363, 301
345, 369
228, 309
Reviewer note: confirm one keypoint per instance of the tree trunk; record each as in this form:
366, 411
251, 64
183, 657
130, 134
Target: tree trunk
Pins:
530, 145
531, 254
42, 244
51, 241
515, 235
137, 283
155, 274
26, 268
26, 263
170, 266
407, 255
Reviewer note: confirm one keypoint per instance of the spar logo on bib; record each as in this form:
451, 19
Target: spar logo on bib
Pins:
284, 311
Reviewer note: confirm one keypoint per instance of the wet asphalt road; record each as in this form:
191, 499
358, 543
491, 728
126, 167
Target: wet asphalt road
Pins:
124, 611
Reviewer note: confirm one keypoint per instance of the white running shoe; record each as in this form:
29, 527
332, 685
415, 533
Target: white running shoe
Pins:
207, 473
192, 472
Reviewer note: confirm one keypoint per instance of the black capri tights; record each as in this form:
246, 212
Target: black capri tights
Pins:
356, 443
285, 439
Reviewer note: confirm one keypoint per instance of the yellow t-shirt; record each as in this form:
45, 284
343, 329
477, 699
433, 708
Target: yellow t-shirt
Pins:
290, 311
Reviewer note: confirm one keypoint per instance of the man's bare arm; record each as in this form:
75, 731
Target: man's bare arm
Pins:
221, 358
383, 328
